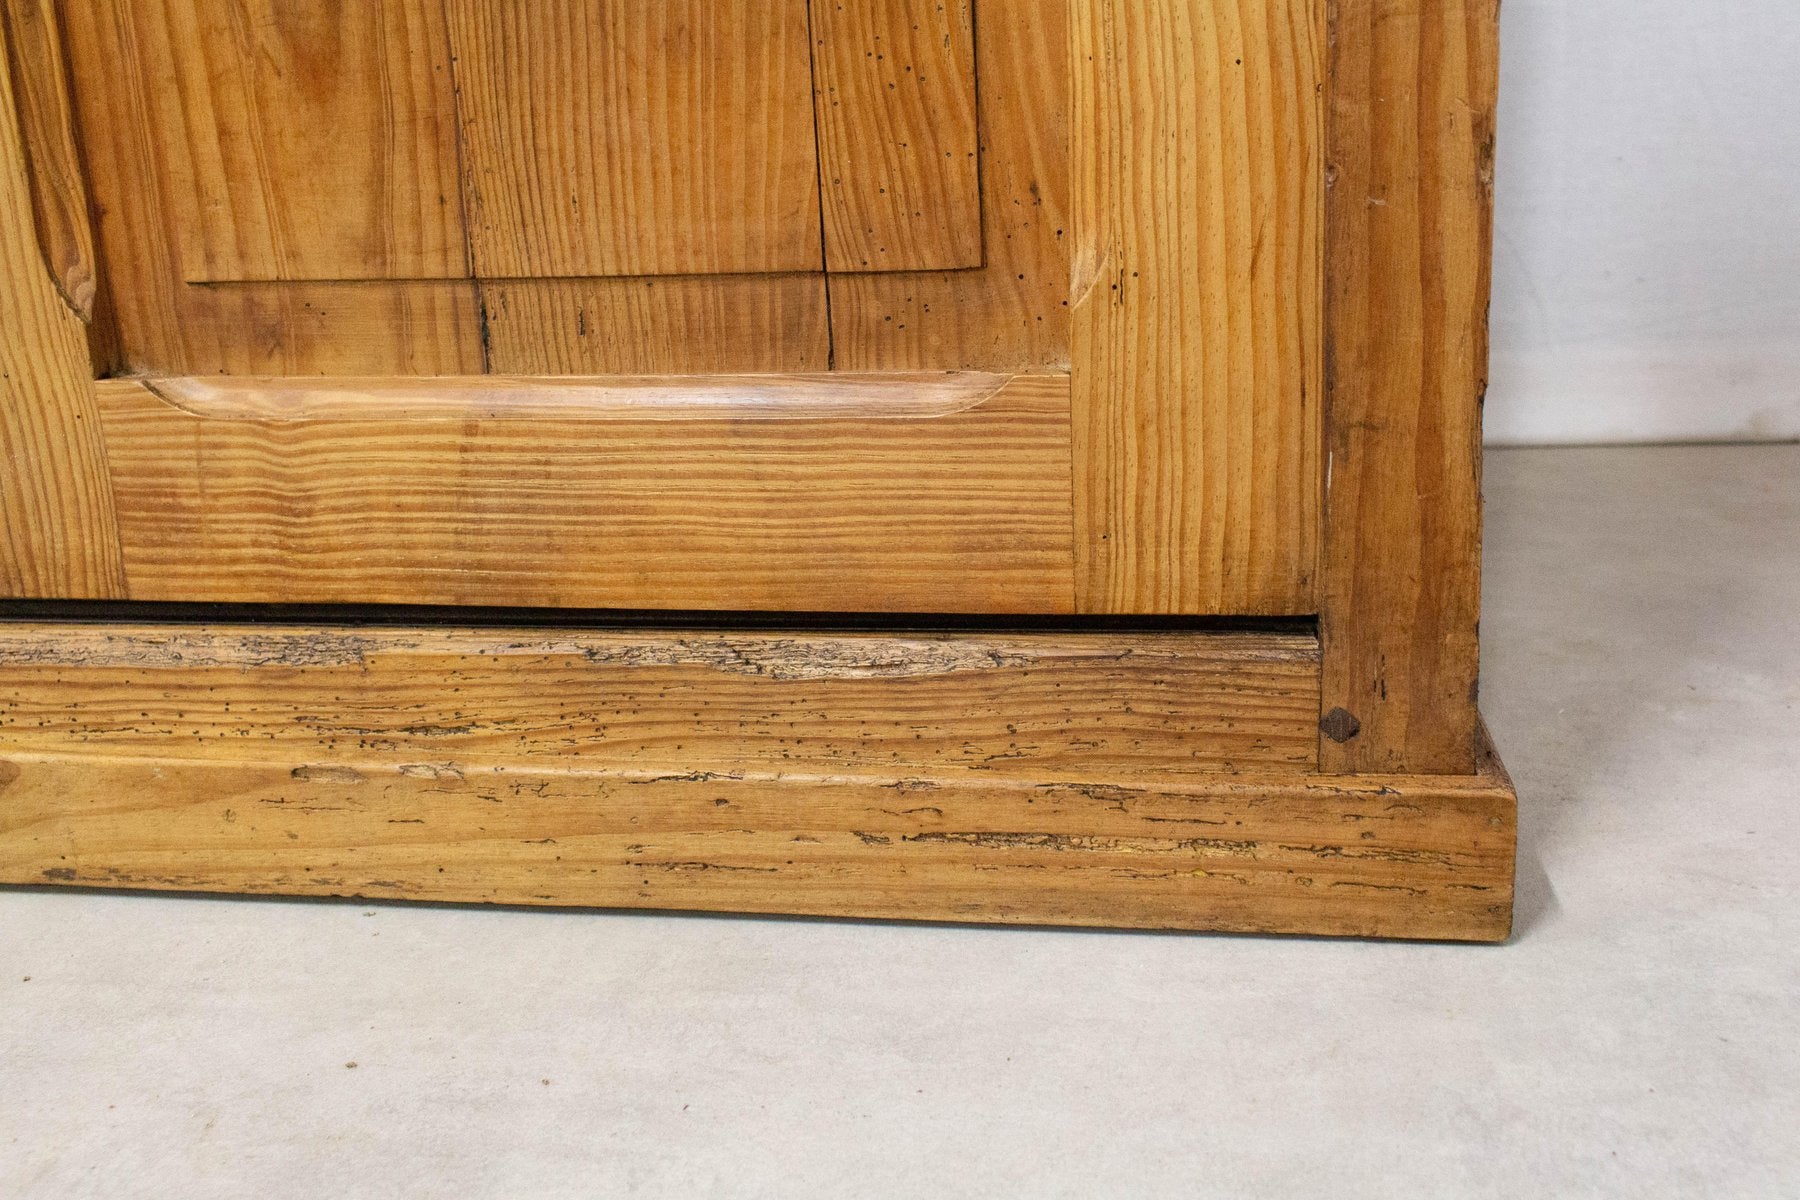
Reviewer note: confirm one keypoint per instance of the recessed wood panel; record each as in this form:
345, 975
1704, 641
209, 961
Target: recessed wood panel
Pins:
1011, 313
899, 156
637, 137
701, 501
305, 139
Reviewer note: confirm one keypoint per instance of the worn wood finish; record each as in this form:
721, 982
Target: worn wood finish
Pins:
672, 325
1377, 856
165, 326
637, 137
58, 187
421, 328
1413, 92
1012, 313
57, 536
1180, 206
307, 139
600, 399
894, 84
557, 782
1198, 215
1110, 707
964, 511
410, 328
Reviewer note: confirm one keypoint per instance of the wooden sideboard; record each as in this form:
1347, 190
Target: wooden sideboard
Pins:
978, 460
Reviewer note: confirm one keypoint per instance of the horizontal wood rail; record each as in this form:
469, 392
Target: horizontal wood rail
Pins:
906, 493
1157, 781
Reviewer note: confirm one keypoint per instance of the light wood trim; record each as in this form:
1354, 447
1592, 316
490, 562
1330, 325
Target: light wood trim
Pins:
1103, 706
1413, 91
827, 395
548, 780
57, 533
47, 121
894, 92
965, 511
1198, 284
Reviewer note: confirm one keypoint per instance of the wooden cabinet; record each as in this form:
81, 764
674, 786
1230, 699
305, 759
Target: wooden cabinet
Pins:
1063, 414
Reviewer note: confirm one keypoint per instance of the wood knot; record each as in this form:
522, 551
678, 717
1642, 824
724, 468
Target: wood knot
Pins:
1340, 725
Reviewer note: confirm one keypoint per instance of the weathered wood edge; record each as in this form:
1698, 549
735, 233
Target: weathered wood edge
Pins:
1413, 87
58, 535
47, 128
1420, 857
1277, 851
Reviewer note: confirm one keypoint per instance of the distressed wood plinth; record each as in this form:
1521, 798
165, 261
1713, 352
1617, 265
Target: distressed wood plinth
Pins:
1144, 780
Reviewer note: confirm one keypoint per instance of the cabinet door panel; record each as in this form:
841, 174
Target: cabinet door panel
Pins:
637, 137
306, 139
898, 146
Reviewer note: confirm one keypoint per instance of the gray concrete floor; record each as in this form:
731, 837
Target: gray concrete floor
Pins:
1640, 1037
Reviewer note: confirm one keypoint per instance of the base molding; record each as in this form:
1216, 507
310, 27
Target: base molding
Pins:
505, 771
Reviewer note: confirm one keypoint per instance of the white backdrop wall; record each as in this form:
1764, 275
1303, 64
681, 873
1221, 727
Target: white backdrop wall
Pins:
1647, 252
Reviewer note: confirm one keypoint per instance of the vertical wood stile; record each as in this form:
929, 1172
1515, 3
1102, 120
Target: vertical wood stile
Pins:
47, 127
1413, 86
1196, 341
57, 533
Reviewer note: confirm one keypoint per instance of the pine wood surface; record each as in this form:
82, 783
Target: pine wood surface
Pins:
637, 137
53, 160
1412, 151
1198, 213
57, 536
1006, 311
1106, 706
671, 325
1012, 312
898, 135
305, 139
644, 770
711, 508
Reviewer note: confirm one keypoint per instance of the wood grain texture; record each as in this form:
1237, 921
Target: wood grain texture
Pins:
46, 116
968, 511
57, 535
694, 325
1264, 857
637, 137
555, 782
1012, 313
167, 327
1109, 707
1196, 336
1413, 92
306, 139
599, 399
899, 161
